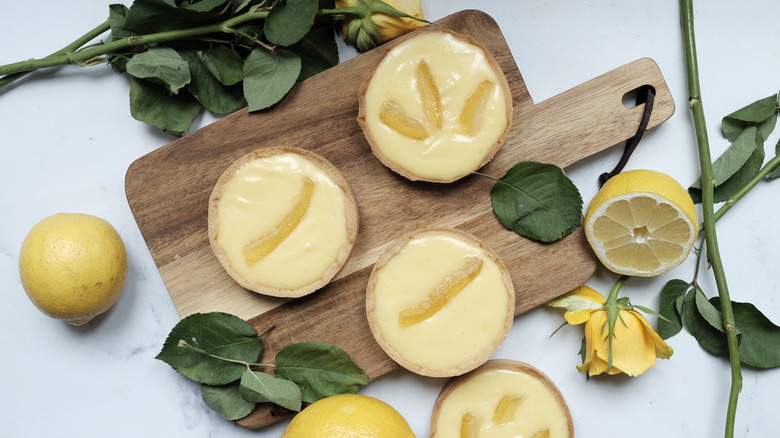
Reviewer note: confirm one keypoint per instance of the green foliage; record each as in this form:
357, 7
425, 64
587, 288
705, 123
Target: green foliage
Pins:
226, 401
289, 21
224, 63
319, 369
253, 63
257, 387
759, 338
537, 201
212, 94
160, 65
747, 129
196, 345
268, 76
775, 173
671, 308
220, 351
152, 104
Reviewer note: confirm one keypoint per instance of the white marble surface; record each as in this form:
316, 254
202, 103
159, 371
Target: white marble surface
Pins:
67, 138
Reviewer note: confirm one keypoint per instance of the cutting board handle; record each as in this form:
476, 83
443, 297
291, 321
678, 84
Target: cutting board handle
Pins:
574, 124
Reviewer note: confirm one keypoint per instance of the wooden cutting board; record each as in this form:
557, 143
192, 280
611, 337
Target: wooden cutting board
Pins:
168, 191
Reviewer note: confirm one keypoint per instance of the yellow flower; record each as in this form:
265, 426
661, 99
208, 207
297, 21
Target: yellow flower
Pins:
627, 344
373, 22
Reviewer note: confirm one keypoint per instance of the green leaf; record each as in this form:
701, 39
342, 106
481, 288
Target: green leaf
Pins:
117, 17
757, 111
318, 51
161, 64
151, 16
732, 128
537, 201
319, 369
226, 401
672, 296
152, 104
775, 173
709, 338
260, 387
214, 96
709, 312
241, 6
224, 63
289, 21
759, 344
732, 185
735, 156
269, 76
206, 5
196, 344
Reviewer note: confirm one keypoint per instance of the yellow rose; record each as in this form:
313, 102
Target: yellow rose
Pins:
626, 345
373, 22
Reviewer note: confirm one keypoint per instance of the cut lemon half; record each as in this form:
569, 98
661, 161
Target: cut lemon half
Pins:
641, 223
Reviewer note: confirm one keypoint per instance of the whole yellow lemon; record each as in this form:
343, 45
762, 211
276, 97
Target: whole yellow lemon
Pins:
73, 266
348, 416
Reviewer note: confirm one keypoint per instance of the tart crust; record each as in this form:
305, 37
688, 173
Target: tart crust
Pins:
351, 216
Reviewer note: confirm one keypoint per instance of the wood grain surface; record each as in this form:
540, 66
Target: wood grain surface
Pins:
168, 191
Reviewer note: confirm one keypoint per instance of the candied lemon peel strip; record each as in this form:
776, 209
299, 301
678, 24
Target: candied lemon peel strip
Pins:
260, 247
506, 408
429, 95
469, 426
472, 116
442, 293
394, 117
544, 433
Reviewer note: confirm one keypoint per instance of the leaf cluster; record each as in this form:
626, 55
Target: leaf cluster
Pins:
253, 63
537, 201
747, 129
735, 172
220, 351
683, 305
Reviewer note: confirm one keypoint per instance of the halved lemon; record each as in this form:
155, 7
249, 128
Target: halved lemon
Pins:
641, 223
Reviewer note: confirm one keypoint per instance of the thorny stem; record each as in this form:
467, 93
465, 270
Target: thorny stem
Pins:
711, 238
78, 57
71, 54
75, 45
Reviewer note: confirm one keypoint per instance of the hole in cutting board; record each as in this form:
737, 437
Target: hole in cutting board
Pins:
637, 96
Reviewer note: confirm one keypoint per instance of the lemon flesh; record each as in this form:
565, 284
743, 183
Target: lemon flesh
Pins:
348, 416
73, 266
641, 223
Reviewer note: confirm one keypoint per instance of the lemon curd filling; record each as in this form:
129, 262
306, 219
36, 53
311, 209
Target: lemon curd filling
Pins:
502, 403
434, 106
441, 302
282, 221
